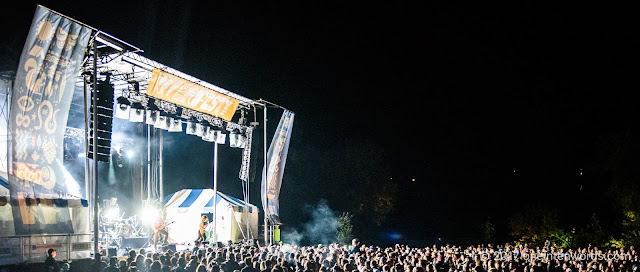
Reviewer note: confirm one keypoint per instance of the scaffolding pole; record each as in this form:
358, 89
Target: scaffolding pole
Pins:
96, 247
264, 177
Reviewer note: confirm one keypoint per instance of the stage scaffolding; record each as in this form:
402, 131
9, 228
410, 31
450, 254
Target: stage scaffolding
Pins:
129, 72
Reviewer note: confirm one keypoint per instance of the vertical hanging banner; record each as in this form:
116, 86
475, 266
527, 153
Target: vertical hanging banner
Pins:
40, 102
276, 160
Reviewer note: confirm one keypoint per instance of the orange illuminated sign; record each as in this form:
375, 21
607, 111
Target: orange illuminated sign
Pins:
190, 95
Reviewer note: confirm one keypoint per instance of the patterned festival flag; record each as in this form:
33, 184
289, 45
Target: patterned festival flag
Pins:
40, 101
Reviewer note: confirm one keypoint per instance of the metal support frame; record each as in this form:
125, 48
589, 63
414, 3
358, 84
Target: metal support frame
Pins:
96, 246
264, 176
215, 191
138, 69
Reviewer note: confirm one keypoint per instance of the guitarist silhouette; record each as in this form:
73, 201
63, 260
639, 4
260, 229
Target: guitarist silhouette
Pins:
159, 228
201, 233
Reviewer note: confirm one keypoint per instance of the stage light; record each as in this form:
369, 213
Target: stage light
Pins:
161, 122
202, 127
199, 129
149, 215
117, 158
122, 108
112, 213
136, 114
152, 117
220, 137
175, 125
233, 139
208, 134
236, 139
192, 126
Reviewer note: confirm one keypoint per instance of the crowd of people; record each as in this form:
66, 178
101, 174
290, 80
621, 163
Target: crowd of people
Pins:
358, 257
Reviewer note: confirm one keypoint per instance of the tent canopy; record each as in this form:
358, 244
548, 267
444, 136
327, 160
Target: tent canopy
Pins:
4, 184
188, 198
184, 209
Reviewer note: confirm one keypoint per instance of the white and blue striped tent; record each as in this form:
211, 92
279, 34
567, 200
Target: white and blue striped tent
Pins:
184, 208
6, 214
4, 184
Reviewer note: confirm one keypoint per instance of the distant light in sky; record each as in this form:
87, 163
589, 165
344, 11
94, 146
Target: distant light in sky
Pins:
413, 179
395, 236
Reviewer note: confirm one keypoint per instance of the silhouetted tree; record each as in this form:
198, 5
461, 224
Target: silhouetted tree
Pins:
345, 228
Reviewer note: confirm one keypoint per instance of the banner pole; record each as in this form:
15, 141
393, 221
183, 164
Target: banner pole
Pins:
215, 191
88, 191
160, 179
149, 163
96, 247
264, 177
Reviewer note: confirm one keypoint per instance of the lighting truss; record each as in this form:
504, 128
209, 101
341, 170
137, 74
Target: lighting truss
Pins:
128, 68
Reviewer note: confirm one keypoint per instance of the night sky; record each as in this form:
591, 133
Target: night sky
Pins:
475, 108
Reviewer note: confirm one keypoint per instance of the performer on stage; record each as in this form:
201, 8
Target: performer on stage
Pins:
159, 228
203, 224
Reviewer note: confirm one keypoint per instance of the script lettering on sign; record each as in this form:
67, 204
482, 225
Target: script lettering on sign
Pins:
174, 89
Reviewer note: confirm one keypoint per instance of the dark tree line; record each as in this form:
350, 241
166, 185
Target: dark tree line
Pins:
603, 211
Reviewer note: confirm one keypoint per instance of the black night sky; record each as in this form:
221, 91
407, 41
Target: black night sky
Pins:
472, 109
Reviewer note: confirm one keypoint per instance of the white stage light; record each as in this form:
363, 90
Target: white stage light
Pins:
122, 108
152, 117
175, 125
200, 129
161, 122
234, 139
112, 213
220, 137
136, 114
208, 134
122, 111
242, 141
149, 215
191, 128
237, 140
209, 138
